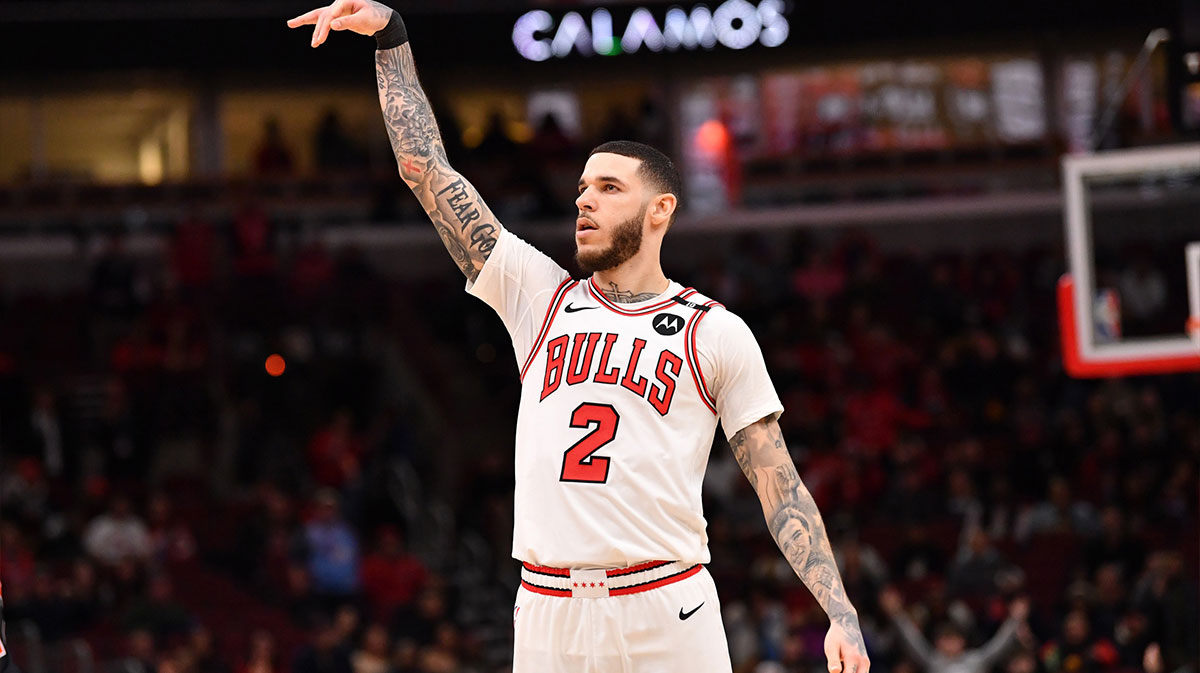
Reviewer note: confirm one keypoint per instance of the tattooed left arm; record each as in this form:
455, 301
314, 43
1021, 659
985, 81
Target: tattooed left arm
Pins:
796, 524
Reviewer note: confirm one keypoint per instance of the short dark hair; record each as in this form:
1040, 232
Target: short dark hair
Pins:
657, 169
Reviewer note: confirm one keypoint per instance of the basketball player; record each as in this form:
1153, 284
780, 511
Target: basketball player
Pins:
624, 375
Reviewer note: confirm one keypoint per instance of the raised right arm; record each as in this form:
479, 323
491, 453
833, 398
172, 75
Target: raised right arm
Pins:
465, 224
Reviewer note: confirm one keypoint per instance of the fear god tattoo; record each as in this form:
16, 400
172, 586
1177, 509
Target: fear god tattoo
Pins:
463, 221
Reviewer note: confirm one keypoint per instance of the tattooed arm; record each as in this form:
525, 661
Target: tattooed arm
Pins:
465, 224
799, 531
463, 221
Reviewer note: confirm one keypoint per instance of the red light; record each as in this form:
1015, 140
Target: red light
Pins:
275, 365
712, 137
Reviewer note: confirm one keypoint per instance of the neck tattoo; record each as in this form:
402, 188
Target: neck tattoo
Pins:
620, 296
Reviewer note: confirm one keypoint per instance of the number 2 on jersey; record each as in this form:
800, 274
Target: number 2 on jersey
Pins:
578, 462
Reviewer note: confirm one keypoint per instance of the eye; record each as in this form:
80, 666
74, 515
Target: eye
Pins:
610, 188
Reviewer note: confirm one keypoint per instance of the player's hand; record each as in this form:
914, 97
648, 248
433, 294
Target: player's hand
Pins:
364, 17
845, 651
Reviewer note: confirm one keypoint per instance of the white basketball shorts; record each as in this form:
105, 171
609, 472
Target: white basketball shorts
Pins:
657, 617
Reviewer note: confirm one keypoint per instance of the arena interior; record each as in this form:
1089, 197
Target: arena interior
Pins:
250, 422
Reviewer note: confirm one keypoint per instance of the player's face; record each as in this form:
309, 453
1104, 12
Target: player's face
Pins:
612, 212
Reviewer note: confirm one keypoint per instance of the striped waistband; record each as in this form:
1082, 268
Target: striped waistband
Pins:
601, 583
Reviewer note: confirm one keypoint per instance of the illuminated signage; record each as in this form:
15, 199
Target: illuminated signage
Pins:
734, 24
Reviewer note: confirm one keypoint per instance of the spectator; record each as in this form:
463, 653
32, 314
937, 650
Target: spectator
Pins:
373, 654
272, 158
976, 567
170, 537
820, 279
298, 596
335, 452
404, 657
419, 621
119, 288
1077, 650
1059, 513
140, 654
46, 424
203, 652
158, 612
86, 599
917, 557
327, 653
1109, 599
45, 607
1143, 292
949, 653
253, 242
24, 493
444, 654
332, 548
391, 577
334, 149
193, 250
550, 144
122, 439
863, 570
118, 535
312, 271
1023, 661
1167, 597
261, 657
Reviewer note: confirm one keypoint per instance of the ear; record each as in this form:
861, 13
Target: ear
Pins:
662, 207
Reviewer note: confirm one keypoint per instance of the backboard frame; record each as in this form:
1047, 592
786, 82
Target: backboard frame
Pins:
1083, 355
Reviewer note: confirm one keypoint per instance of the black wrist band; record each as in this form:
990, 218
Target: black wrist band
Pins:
393, 34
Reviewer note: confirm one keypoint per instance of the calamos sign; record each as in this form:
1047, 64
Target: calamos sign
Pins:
734, 24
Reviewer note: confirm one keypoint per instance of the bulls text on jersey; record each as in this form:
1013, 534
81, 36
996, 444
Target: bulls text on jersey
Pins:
582, 349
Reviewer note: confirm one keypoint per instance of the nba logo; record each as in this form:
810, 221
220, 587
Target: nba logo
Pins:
1107, 316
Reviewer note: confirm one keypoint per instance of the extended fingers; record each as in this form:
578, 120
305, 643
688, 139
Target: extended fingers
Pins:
322, 29
332, 12
306, 19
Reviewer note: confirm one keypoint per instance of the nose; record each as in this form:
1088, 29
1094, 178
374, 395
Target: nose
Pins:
585, 201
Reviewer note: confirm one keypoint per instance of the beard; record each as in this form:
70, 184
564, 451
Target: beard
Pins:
626, 241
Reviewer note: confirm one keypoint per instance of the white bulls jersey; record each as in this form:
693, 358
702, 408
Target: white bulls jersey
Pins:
619, 404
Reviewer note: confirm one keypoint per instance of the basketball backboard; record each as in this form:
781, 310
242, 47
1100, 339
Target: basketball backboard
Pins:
1118, 206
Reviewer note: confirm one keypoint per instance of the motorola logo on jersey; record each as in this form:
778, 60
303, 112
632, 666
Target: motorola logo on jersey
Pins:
588, 349
667, 324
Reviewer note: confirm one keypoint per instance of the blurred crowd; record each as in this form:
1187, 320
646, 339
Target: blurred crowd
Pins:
182, 511
526, 165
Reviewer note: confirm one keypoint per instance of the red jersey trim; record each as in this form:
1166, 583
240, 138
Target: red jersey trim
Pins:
645, 310
693, 360
551, 311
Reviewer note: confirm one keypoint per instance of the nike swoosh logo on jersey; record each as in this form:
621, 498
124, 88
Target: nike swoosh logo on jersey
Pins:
684, 615
572, 309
